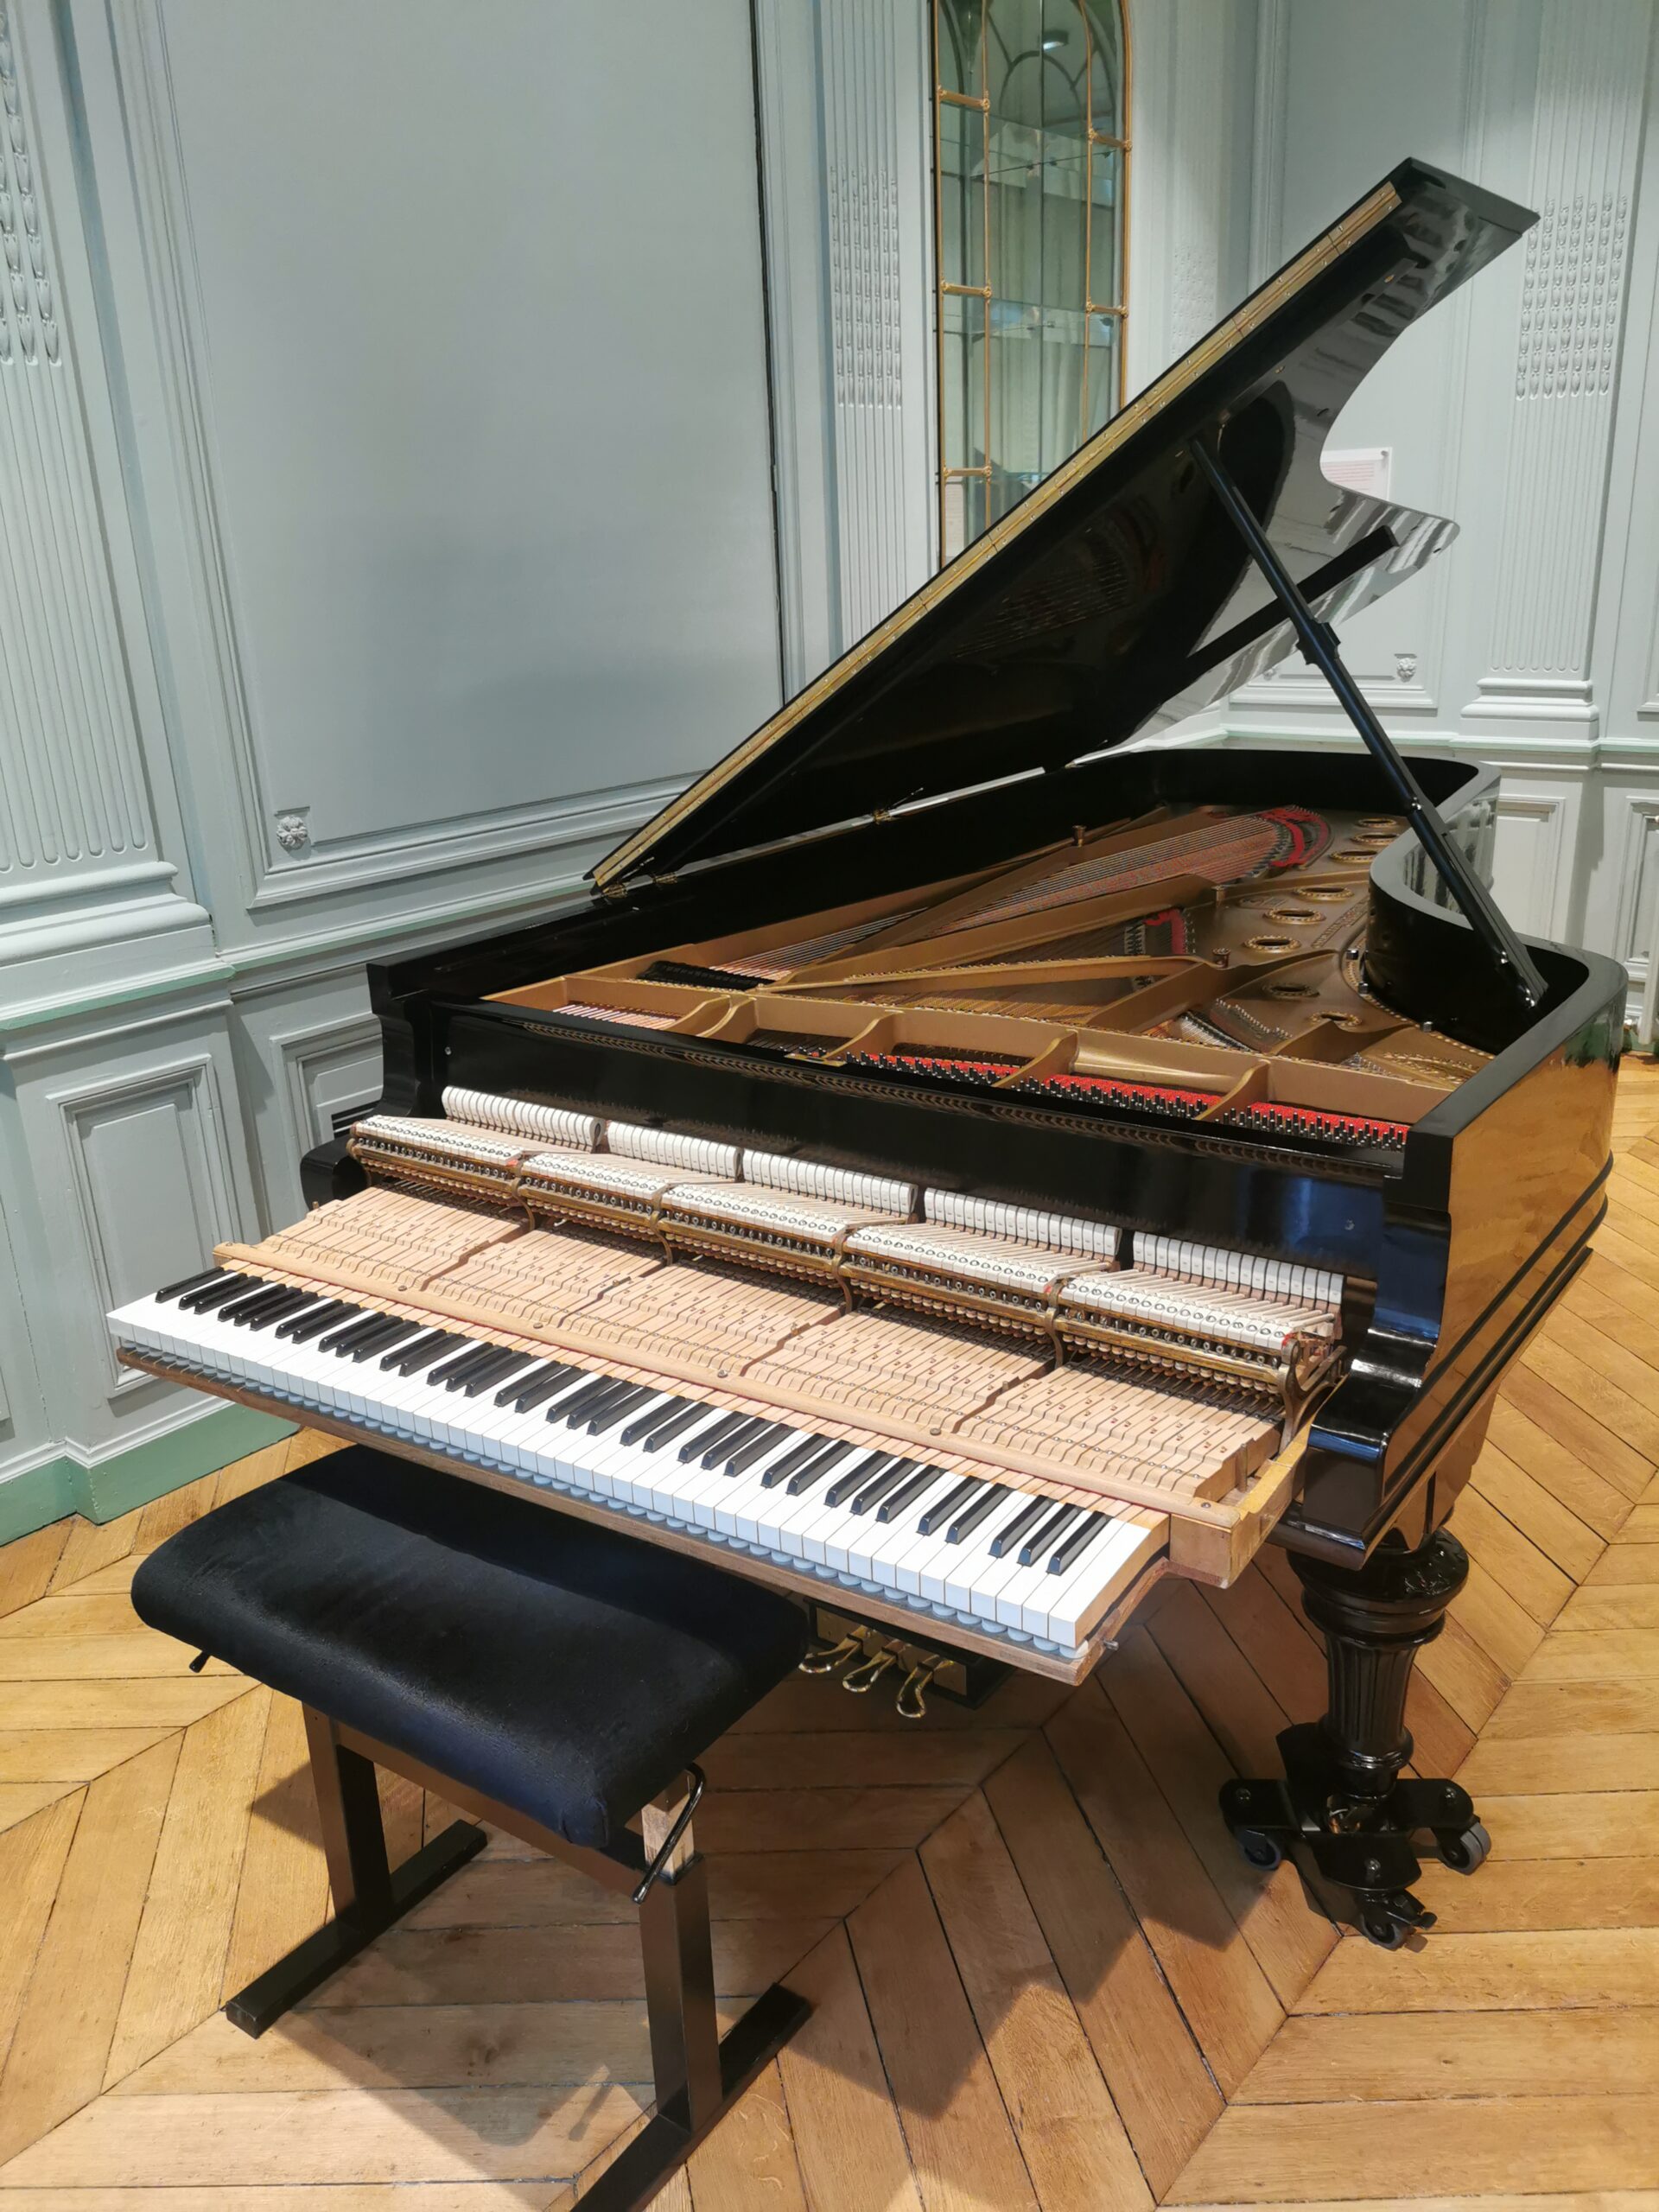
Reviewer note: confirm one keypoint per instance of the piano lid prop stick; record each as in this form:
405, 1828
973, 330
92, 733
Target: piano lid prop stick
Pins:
1318, 644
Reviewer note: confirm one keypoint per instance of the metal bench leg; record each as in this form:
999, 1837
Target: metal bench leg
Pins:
698, 2076
368, 1895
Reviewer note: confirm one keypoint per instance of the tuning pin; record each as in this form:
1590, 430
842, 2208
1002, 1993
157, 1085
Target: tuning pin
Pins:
823, 1657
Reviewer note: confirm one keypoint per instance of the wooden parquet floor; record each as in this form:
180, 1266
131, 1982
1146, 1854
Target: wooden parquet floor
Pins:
1042, 1977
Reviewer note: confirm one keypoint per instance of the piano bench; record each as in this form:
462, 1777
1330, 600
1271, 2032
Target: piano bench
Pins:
554, 1678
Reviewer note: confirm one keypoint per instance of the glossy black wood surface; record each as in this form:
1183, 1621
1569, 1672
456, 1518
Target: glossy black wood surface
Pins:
1118, 590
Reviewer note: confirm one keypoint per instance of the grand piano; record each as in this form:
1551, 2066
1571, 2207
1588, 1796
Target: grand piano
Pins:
961, 1165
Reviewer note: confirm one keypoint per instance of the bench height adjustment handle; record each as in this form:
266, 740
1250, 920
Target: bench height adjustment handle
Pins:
662, 1860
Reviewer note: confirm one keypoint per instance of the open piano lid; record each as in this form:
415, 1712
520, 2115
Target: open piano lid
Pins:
1116, 597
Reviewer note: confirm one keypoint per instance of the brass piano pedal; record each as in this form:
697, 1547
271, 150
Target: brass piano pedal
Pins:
911, 1700
823, 1657
859, 1680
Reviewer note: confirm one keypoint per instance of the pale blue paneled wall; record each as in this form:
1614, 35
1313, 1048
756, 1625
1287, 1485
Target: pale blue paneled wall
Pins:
388, 527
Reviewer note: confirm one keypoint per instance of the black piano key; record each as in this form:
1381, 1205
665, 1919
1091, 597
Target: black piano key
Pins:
254, 1305
504, 1363
341, 1341
369, 1347
299, 1328
385, 1332
457, 1369
716, 1445
594, 1392
1078, 1542
535, 1389
842, 1489
501, 1360
871, 1495
616, 1400
427, 1351
1012, 1532
808, 1448
272, 1294
770, 1435
404, 1359
286, 1322
198, 1281
900, 1500
300, 1301
695, 1413
458, 1362
821, 1464
994, 1494
219, 1294
617, 1407
360, 1319
227, 1284
1050, 1532
637, 1431
703, 1440
940, 1511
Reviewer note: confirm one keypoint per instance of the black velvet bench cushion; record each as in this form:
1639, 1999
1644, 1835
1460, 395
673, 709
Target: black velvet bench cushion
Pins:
564, 1669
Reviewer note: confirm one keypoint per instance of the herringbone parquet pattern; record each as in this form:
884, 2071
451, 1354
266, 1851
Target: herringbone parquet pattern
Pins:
1042, 1977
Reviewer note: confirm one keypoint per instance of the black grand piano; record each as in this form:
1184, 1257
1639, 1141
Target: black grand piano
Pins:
1206, 1089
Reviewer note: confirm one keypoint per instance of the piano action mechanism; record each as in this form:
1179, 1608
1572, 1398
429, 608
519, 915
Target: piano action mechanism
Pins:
962, 1170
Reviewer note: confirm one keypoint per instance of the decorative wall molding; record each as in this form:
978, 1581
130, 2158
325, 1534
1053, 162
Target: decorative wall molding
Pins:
1268, 139
1286, 687
1532, 868
321, 868
1193, 173
1198, 108
878, 184
1637, 877
75, 820
791, 128
346, 1051
282, 856
145, 1217
1649, 708
1586, 138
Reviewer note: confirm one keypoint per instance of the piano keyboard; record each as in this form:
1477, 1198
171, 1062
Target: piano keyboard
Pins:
960, 1550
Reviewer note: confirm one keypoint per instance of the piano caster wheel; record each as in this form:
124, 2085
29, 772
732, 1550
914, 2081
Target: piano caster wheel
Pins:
1388, 1921
1261, 1850
912, 1701
824, 1658
1467, 1851
859, 1680
1383, 1930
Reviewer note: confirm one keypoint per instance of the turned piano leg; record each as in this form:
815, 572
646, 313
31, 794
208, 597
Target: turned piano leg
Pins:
1355, 1824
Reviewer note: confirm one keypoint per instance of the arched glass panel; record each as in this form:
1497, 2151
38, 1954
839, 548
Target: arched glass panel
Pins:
1031, 181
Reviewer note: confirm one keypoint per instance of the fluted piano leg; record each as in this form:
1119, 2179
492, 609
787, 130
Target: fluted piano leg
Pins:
1344, 1810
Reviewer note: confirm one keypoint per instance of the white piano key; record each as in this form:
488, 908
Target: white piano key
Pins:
974, 1560
1074, 1609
